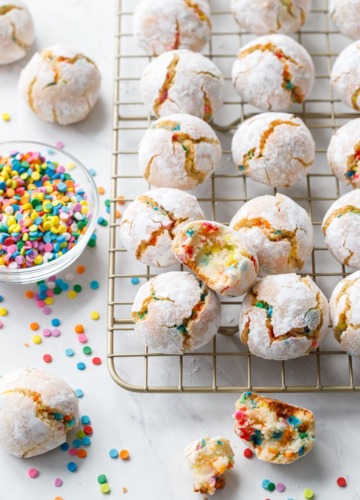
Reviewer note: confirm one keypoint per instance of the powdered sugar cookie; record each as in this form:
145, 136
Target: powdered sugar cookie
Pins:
272, 72
162, 25
151, 222
182, 81
175, 313
271, 16
60, 85
346, 14
278, 230
345, 76
16, 30
274, 148
179, 151
208, 459
283, 317
278, 432
218, 256
344, 153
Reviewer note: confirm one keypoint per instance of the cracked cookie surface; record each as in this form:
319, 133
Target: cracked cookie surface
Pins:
344, 153
16, 29
345, 76
345, 14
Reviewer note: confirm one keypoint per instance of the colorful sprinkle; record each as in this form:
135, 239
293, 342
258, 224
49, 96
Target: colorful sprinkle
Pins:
85, 420
341, 481
102, 479
36, 339
64, 447
6, 117
94, 285
79, 393
96, 361
55, 322
114, 453
135, 281
105, 488
280, 487
81, 366
94, 315
271, 487
33, 473
58, 482
47, 358
79, 329
308, 493
69, 352
3, 311
124, 454
248, 453
87, 349
72, 467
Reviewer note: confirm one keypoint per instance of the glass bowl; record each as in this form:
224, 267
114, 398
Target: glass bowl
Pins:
84, 179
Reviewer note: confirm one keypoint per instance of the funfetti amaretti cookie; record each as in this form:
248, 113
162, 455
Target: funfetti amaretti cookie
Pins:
278, 432
278, 230
274, 148
283, 317
345, 76
344, 153
182, 81
346, 14
271, 16
218, 256
162, 25
175, 313
16, 31
273, 72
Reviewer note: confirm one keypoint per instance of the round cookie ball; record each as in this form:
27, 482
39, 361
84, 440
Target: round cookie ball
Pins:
151, 222
345, 76
274, 148
163, 25
176, 313
218, 256
16, 31
273, 72
344, 153
341, 227
345, 14
278, 230
284, 317
271, 16
182, 81
37, 410
60, 85
345, 313
179, 151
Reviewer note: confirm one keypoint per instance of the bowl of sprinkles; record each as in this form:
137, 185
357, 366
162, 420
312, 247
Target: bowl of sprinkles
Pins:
48, 210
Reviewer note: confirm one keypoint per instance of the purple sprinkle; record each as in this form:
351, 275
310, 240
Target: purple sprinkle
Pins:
59, 144
56, 332
47, 311
280, 487
47, 332
58, 482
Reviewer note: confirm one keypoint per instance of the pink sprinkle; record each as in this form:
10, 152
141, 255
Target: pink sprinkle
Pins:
73, 452
58, 482
1, 324
59, 144
33, 473
82, 338
50, 293
40, 303
47, 310
47, 332
280, 487
56, 332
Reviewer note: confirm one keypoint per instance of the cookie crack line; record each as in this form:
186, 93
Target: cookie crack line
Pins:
168, 83
343, 324
198, 11
4, 9
353, 166
147, 171
177, 35
142, 313
16, 40
339, 212
30, 97
354, 99
289, 5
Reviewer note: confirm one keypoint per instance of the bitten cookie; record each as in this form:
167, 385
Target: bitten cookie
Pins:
346, 14
341, 227
272, 72
278, 432
345, 76
278, 230
151, 222
182, 81
274, 148
179, 151
162, 25
208, 459
37, 410
271, 16
344, 153
218, 256
175, 313
283, 317
16, 31
60, 85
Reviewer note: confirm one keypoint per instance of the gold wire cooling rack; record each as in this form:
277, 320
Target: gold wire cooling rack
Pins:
226, 366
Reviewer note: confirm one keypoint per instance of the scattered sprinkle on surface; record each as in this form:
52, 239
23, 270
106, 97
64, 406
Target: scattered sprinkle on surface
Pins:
33, 473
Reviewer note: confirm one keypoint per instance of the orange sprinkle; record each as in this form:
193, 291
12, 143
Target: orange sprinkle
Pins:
26, 344
82, 453
29, 294
101, 190
58, 498
124, 454
120, 200
34, 326
79, 329
80, 269
118, 214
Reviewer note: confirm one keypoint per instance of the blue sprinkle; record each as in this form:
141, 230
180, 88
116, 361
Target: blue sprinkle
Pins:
265, 484
69, 352
293, 421
81, 366
114, 453
94, 285
77, 443
301, 451
86, 441
277, 434
190, 232
241, 167
55, 322
1, 298
257, 438
135, 281
64, 447
85, 420
79, 393
92, 172
71, 466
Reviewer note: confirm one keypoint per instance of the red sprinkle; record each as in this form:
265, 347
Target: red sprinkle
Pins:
248, 453
47, 358
96, 361
88, 430
341, 481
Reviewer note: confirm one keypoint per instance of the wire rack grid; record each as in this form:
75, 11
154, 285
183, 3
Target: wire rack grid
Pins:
225, 366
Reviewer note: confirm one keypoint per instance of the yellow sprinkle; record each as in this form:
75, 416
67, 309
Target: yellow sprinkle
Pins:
3, 311
5, 117
49, 300
36, 339
71, 165
72, 294
95, 315
38, 260
124, 490
105, 488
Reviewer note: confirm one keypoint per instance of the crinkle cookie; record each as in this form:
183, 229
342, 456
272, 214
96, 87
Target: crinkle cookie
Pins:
218, 256
151, 222
341, 227
345, 76
278, 230
162, 25
37, 410
273, 72
182, 81
274, 148
16, 30
60, 85
271, 16
345, 313
344, 153
284, 317
346, 14
208, 459
176, 313
278, 432
179, 151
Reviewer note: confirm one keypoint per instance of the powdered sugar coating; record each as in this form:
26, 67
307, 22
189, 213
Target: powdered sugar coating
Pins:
344, 153
274, 148
179, 151
182, 81
283, 317
273, 72
346, 14
60, 85
16, 31
345, 76
24, 432
163, 25
262, 17
175, 313
278, 230
151, 222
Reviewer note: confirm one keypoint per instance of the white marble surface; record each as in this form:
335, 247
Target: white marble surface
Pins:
155, 428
